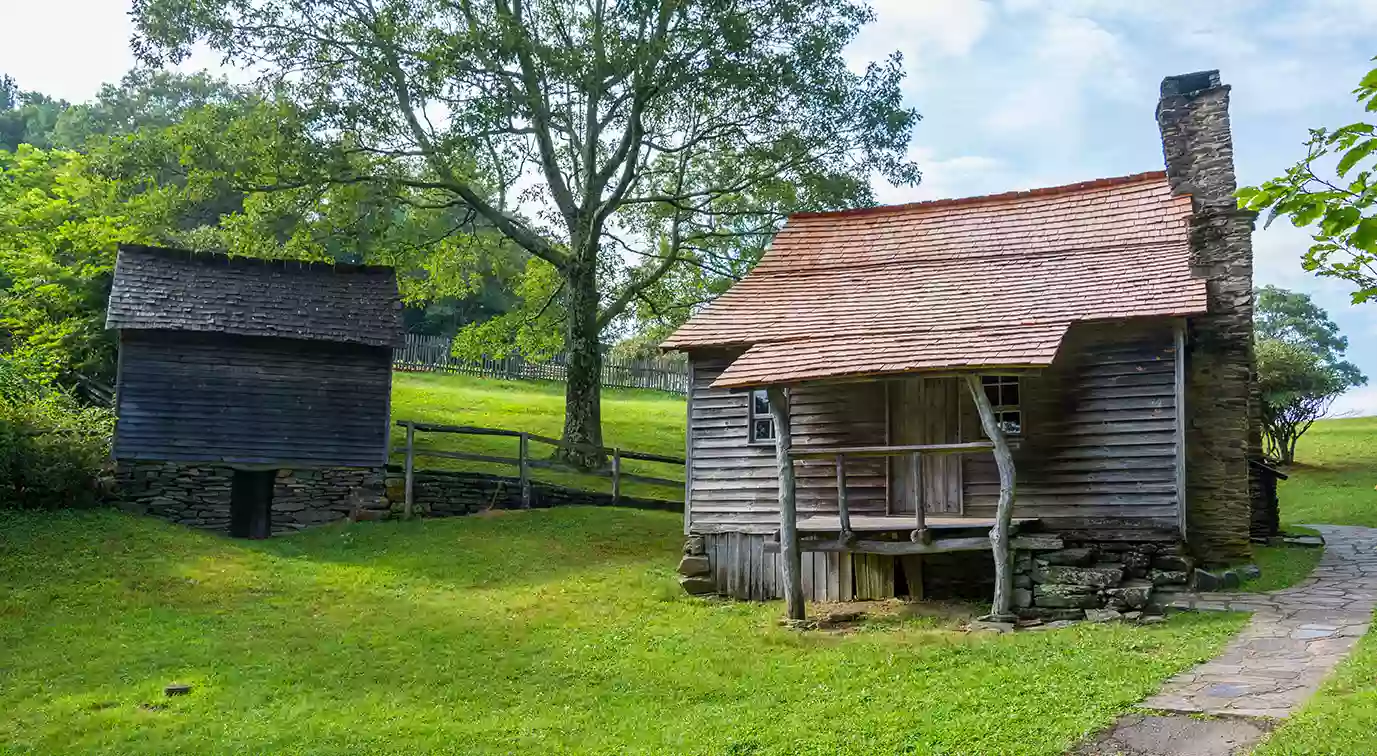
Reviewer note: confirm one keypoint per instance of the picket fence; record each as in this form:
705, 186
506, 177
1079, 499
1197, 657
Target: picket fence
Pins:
432, 354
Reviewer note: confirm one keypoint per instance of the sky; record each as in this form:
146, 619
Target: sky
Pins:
1014, 94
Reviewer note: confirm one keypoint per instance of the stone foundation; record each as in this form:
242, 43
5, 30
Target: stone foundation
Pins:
1099, 581
198, 495
447, 494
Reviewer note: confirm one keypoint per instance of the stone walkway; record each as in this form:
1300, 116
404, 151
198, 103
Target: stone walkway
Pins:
1296, 636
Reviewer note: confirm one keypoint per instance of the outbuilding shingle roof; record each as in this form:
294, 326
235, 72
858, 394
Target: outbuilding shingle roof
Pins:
168, 289
979, 282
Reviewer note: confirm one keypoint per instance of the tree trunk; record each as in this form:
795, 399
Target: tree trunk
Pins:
792, 567
1004, 515
583, 388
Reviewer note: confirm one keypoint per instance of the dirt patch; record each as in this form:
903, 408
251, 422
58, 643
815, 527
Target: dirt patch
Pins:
1177, 735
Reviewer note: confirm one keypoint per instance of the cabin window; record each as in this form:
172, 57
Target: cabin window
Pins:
1003, 392
761, 423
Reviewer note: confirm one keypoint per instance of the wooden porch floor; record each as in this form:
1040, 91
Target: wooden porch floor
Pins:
832, 523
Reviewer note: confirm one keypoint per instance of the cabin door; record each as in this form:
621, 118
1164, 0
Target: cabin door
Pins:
925, 411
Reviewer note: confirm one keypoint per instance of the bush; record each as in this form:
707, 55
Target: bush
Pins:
54, 452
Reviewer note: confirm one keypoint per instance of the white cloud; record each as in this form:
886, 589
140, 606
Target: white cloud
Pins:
1072, 57
1359, 401
924, 32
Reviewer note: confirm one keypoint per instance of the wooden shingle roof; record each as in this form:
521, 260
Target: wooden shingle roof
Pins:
980, 282
176, 290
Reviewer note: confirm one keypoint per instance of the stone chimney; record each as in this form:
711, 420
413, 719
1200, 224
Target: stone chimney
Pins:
1223, 410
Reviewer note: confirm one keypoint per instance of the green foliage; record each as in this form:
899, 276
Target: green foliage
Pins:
1301, 370
638, 142
1339, 203
60, 226
544, 632
26, 117
53, 450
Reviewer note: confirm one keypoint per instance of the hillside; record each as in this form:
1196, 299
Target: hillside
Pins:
647, 421
1335, 478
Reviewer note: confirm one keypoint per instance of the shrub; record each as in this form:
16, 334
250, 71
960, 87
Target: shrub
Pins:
54, 452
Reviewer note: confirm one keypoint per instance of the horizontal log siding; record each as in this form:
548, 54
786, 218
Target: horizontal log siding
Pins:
1099, 446
247, 400
734, 484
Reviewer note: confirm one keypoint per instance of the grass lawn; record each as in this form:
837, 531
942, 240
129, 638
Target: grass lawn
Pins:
1335, 479
647, 421
548, 631
1284, 566
1333, 484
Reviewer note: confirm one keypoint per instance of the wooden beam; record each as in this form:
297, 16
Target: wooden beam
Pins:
843, 508
891, 451
920, 533
1004, 514
788, 514
1180, 390
903, 548
410, 470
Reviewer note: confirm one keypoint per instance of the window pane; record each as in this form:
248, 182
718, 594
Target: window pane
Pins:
762, 429
992, 393
989, 380
1011, 422
761, 402
1009, 393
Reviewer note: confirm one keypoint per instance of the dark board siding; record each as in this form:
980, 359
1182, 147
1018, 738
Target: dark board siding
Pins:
1099, 448
734, 485
219, 398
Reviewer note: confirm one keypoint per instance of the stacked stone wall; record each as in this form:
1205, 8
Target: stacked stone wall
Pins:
1222, 422
198, 495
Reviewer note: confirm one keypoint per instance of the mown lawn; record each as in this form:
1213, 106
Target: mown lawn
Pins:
647, 421
1333, 483
1284, 566
554, 631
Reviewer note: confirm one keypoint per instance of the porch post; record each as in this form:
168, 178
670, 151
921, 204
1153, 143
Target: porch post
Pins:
999, 534
788, 514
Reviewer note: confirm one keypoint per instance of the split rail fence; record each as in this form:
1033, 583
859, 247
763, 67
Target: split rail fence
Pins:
432, 354
525, 462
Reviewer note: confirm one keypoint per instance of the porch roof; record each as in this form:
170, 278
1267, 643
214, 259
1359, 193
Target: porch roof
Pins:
980, 282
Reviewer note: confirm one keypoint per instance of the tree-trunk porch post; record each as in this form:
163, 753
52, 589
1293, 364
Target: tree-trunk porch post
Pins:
999, 534
788, 512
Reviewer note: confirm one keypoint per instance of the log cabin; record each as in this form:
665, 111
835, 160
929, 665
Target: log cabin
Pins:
1105, 327
252, 396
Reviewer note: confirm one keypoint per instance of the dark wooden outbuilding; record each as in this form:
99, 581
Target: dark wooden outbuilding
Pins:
233, 370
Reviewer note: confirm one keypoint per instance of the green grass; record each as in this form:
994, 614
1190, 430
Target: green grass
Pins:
1284, 566
1335, 479
549, 631
1333, 484
646, 421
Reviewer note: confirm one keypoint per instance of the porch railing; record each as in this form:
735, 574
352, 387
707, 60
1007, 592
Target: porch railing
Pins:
914, 452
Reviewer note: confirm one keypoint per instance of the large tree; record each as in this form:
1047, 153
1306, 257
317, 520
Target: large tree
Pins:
1301, 369
614, 140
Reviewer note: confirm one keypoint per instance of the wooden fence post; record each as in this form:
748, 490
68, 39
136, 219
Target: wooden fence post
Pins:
522, 457
410, 469
616, 476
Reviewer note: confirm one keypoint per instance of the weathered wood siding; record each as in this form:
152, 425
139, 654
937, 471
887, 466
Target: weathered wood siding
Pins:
219, 398
743, 569
1099, 446
925, 411
733, 483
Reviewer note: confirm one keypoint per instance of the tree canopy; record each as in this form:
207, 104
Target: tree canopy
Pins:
618, 142
1301, 370
1334, 189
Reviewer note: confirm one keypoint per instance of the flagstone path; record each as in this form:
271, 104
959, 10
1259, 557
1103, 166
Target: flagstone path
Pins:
1295, 638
